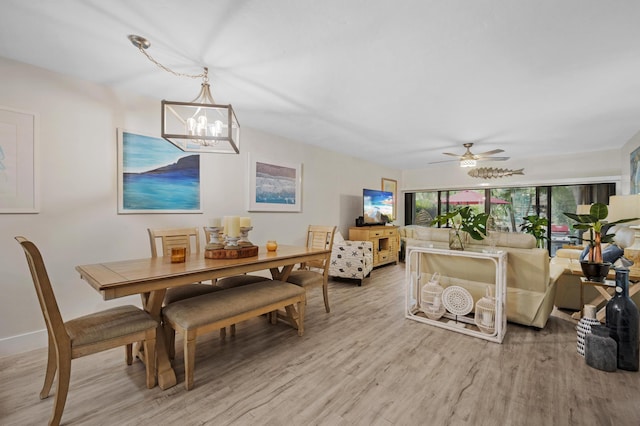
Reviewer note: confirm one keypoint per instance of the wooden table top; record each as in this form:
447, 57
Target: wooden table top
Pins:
575, 269
127, 277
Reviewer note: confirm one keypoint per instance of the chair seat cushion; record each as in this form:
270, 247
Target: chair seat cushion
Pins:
186, 291
305, 278
238, 280
202, 310
108, 324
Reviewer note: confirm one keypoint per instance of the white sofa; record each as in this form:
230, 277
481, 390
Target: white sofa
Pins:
351, 259
531, 280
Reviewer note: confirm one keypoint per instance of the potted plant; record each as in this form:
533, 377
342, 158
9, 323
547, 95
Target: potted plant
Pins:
594, 222
463, 220
536, 226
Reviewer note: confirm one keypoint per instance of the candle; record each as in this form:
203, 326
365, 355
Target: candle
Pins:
487, 318
245, 222
233, 226
214, 222
225, 221
178, 254
272, 245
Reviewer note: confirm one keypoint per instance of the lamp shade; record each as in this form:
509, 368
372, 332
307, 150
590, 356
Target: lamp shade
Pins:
583, 208
624, 207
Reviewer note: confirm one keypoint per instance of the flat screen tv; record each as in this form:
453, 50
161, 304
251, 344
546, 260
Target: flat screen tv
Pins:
376, 204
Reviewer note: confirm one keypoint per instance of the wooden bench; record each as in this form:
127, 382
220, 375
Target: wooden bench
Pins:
210, 312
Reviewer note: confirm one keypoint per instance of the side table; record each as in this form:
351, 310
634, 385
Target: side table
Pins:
413, 286
604, 296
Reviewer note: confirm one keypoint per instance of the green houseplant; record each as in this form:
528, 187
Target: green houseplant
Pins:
462, 220
536, 226
595, 222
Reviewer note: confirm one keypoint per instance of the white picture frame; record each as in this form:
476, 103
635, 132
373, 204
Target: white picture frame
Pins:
274, 185
19, 191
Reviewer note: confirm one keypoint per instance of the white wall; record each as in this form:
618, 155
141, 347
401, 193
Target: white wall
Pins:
78, 221
580, 167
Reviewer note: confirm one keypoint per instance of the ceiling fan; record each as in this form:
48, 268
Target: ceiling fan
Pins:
469, 159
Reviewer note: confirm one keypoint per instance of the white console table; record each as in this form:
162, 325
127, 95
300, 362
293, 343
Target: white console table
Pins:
413, 287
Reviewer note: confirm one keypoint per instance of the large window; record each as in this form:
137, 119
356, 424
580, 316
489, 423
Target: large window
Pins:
508, 206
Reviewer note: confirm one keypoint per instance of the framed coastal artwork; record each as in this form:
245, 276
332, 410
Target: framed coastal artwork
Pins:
156, 177
391, 185
18, 162
274, 186
635, 171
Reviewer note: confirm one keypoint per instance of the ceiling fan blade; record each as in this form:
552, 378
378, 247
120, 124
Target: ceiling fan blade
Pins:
443, 161
494, 151
492, 158
453, 155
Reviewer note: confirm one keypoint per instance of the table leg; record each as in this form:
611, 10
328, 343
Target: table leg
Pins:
290, 315
164, 370
581, 300
281, 275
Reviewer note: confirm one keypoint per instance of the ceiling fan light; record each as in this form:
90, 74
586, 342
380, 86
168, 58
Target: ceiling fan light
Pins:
468, 163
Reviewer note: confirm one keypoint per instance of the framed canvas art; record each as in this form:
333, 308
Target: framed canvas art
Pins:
635, 171
274, 186
18, 162
156, 177
391, 185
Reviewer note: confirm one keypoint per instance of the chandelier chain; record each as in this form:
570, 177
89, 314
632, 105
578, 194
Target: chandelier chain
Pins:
204, 75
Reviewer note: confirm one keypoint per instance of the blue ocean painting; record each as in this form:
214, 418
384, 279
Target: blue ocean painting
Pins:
275, 184
158, 176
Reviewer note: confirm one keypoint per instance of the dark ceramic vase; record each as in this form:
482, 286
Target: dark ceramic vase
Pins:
600, 349
623, 322
596, 272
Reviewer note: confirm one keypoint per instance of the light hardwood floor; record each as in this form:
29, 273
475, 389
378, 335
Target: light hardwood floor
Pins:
362, 364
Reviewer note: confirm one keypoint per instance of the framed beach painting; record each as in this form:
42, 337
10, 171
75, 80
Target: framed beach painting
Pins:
274, 186
391, 185
156, 177
18, 162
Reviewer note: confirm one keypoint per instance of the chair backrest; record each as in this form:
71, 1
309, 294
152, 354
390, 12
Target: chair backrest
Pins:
46, 297
320, 237
174, 237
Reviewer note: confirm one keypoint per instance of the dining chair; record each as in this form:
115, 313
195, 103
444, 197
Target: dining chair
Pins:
86, 335
316, 273
235, 280
175, 238
169, 238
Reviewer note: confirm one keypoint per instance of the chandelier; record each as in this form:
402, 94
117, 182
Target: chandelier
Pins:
200, 125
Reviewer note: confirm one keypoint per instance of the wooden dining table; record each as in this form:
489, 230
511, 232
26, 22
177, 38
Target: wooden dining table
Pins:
153, 275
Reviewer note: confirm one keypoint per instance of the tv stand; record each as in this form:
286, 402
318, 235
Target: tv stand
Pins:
384, 240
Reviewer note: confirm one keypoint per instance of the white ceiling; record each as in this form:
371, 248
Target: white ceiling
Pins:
395, 82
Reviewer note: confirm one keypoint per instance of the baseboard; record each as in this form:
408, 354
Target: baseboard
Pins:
23, 343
